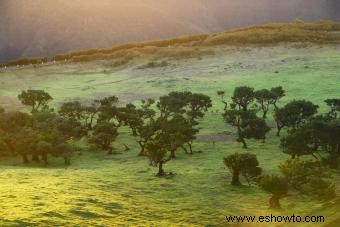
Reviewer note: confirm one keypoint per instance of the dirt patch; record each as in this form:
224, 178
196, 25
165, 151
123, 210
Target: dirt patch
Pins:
210, 138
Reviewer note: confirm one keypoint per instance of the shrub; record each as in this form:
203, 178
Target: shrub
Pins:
309, 177
277, 186
154, 64
244, 164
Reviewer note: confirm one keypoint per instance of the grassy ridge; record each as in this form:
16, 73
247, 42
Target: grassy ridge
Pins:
191, 46
322, 32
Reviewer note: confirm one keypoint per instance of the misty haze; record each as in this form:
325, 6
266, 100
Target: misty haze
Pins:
47, 27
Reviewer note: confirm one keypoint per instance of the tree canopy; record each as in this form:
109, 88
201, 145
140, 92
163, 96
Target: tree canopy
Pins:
36, 99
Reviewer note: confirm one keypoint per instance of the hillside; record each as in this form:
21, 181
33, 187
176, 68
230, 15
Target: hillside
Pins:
103, 190
198, 45
98, 189
49, 27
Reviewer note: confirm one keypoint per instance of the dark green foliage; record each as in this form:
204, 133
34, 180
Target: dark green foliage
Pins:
64, 150
294, 114
244, 119
12, 127
168, 136
11, 121
173, 103
71, 128
198, 104
243, 96
71, 110
4, 149
77, 112
24, 143
37, 134
255, 128
319, 133
244, 164
175, 132
47, 125
327, 134
277, 93
108, 110
104, 133
191, 106
299, 142
53, 130
263, 97
144, 133
44, 148
36, 99
141, 121
157, 154
334, 104
277, 186
309, 178
248, 125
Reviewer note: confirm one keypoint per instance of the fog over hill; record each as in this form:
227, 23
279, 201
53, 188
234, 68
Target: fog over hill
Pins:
47, 27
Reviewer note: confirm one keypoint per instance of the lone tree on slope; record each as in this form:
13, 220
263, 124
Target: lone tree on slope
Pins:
36, 99
245, 164
277, 186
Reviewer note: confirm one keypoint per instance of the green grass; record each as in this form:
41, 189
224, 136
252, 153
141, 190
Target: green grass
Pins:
101, 190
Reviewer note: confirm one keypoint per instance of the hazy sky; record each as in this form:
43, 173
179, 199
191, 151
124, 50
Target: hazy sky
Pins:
47, 27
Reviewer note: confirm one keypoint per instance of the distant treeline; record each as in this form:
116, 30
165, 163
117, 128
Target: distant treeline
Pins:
26, 61
188, 46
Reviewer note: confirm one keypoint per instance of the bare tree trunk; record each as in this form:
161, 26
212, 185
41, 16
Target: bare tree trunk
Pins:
44, 158
35, 158
110, 151
274, 202
333, 161
190, 147
25, 159
142, 149
240, 138
127, 148
225, 105
278, 130
185, 149
236, 178
172, 154
160, 169
67, 160
244, 143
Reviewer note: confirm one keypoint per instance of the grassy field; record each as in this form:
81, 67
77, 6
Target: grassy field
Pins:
101, 190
